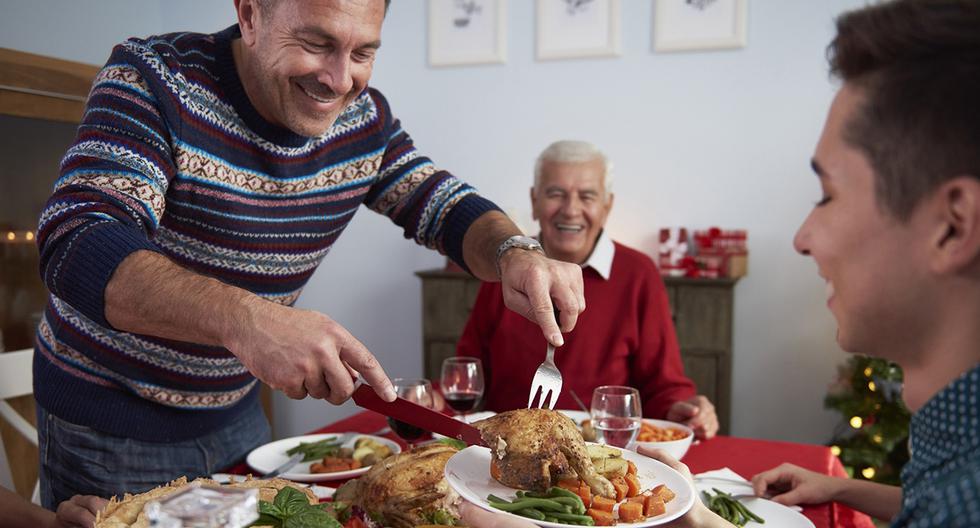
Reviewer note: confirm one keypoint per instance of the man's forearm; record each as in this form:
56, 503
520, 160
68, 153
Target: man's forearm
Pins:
150, 294
15, 512
481, 241
877, 500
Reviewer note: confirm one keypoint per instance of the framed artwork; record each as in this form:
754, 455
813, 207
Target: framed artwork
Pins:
578, 28
681, 25
467, 32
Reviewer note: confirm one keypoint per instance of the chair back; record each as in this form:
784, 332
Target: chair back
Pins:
16, 380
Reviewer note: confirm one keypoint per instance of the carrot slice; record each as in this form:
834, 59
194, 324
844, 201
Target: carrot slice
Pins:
601, 503
654, 506
601, 517
494, 469
632, 485
665, 492
619, 483
630, 512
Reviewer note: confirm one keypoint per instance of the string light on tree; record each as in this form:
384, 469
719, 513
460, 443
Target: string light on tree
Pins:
872, 438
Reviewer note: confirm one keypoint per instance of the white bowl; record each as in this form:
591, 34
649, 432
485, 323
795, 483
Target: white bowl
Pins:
674, 448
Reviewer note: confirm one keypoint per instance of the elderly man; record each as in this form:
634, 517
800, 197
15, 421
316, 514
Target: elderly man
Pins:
210, 176
625, 338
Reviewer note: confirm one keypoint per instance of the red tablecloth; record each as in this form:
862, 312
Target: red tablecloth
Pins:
743, 455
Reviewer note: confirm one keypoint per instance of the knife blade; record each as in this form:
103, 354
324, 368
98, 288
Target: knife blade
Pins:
417, 415
286, 466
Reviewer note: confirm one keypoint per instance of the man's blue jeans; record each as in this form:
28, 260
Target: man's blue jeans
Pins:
78, 460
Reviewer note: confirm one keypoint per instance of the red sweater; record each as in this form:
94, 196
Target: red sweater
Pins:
624, 337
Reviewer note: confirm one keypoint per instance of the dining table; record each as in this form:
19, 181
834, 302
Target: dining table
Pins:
745, 456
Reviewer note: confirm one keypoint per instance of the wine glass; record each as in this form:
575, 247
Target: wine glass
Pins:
616, 415
417, 390
462, 383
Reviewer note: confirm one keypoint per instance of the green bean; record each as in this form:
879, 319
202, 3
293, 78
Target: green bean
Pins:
494, 498
572, 517
727, 507
562, 492
541, 504
530, 513
316, 450
576, 504
748, 514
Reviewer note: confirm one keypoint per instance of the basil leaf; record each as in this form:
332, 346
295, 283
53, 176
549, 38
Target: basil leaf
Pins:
270, 509
291, 501
267, 520
311, 518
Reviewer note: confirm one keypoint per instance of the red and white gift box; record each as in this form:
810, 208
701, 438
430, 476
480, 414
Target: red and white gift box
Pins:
709, 253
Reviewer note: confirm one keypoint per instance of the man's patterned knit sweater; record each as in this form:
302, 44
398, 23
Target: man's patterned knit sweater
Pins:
171, 157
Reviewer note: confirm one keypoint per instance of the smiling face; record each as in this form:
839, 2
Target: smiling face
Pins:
571, 205
305, 62
873, 264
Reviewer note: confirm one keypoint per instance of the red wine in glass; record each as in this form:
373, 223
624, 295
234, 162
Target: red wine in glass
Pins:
462, 383
414, 390
463, 401
407, 432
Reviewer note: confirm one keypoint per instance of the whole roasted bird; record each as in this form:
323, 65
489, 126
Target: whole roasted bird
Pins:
533, 448
407, 489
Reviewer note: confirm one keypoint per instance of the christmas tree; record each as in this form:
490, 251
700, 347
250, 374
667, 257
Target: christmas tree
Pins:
872, 438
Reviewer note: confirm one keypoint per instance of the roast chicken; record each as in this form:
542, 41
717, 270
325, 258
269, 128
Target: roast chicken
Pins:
407, 489
533, 448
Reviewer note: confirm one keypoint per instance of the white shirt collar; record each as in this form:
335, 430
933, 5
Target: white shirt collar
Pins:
601, 258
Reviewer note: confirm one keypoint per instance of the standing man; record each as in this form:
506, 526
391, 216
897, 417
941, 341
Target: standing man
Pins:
209, 178
626, 338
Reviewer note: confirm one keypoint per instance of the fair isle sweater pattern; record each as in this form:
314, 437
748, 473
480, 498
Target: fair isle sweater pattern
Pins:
171, 157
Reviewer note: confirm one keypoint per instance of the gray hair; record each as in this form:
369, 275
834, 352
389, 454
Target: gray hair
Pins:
572, 151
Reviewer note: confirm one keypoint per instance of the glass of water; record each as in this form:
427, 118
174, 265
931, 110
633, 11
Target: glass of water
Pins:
616, 415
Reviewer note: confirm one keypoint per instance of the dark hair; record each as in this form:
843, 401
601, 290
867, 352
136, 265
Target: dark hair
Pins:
265, 4
917, 64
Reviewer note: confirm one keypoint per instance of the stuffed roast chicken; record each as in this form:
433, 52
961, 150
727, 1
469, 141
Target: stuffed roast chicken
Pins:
407, 489
533, 448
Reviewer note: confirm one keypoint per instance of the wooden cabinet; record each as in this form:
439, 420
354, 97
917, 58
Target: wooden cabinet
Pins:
701, 309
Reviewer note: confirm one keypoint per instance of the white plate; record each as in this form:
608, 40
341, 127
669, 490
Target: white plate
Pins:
267, 457
468, 472
469, 418
773, 513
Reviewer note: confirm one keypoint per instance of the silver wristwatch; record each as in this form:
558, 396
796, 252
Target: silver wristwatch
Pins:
519, 242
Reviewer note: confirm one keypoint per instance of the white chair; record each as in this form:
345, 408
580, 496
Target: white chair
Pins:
16, 379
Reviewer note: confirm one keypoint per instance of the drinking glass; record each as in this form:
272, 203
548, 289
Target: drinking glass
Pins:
616, 415
417, 390
462, 383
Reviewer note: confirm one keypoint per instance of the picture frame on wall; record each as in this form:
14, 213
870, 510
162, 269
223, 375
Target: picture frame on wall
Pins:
685, 25
568, 29
463, 32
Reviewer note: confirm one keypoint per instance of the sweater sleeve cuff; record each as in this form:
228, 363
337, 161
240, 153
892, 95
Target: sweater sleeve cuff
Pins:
458, 221
88, 264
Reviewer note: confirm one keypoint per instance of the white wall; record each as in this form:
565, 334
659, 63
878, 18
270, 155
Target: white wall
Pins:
698, 139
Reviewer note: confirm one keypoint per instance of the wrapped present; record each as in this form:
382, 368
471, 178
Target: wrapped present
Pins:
722, 253
710, 253
673, 249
